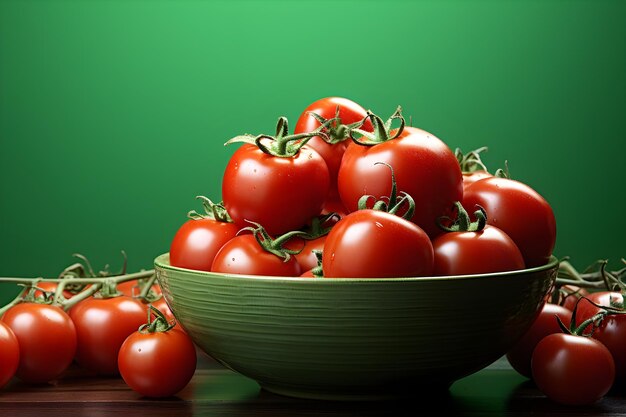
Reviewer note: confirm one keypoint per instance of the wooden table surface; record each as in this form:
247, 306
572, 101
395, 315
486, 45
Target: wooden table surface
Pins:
216, 391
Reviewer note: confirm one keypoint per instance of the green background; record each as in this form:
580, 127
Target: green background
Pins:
113, 113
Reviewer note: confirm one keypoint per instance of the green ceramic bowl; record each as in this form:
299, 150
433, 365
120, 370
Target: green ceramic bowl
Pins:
355, 338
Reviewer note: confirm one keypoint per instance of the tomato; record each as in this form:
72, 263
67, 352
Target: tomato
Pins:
470, 178
281, 193
47, 340
158, 364
519, 356
102, 325
245, 255
197, 241
306, 258
612, 329
568, 296
369, 243
472, 166
520, 212
349, 113
424, 166
573, 370
9, 353
488, 250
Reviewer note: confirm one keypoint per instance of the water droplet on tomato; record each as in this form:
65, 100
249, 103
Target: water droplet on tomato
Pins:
380, 225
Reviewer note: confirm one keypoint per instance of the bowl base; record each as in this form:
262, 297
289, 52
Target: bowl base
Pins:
440, 390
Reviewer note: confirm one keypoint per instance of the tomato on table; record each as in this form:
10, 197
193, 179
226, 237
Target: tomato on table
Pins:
611, 331
158, 360
520, 355
102, 325
9, 353
47, 340
571, 369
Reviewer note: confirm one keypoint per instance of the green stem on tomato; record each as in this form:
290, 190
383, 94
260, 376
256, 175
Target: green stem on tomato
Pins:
382, 130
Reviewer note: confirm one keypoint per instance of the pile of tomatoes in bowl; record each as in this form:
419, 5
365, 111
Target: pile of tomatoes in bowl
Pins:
350, 195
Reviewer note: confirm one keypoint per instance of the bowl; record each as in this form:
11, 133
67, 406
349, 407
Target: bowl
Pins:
355, 339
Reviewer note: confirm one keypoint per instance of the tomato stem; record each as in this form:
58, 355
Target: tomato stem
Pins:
463, 222
282, 145
471, 161
159, 324
273, 246
214, 211
392, 203
336, 131
382, 130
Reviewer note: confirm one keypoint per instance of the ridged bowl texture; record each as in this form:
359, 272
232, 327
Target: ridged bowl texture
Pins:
355, 338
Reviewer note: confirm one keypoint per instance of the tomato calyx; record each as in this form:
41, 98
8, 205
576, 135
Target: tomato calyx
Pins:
594, 321
274, 246
463, 222
282, 145
213, 211
336, 131
382, 130
318, 271
159, 324
320, 226
471, 161
391, 204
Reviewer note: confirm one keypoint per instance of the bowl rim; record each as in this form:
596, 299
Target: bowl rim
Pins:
162, 262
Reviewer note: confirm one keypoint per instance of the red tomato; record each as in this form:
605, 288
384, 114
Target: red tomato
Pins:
197, 241
158, 364
612, 329
308, 274
102, 325
568, 296
334, 205
520, 212
545, 324
9, 353
47, 340
244, 255
349, 112
281, 193
470, 178
424, 167
572, 370
369, 243
488, 250
306, 258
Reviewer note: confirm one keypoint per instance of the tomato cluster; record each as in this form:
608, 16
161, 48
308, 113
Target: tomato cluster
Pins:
580, 363
104, 334
398, 194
